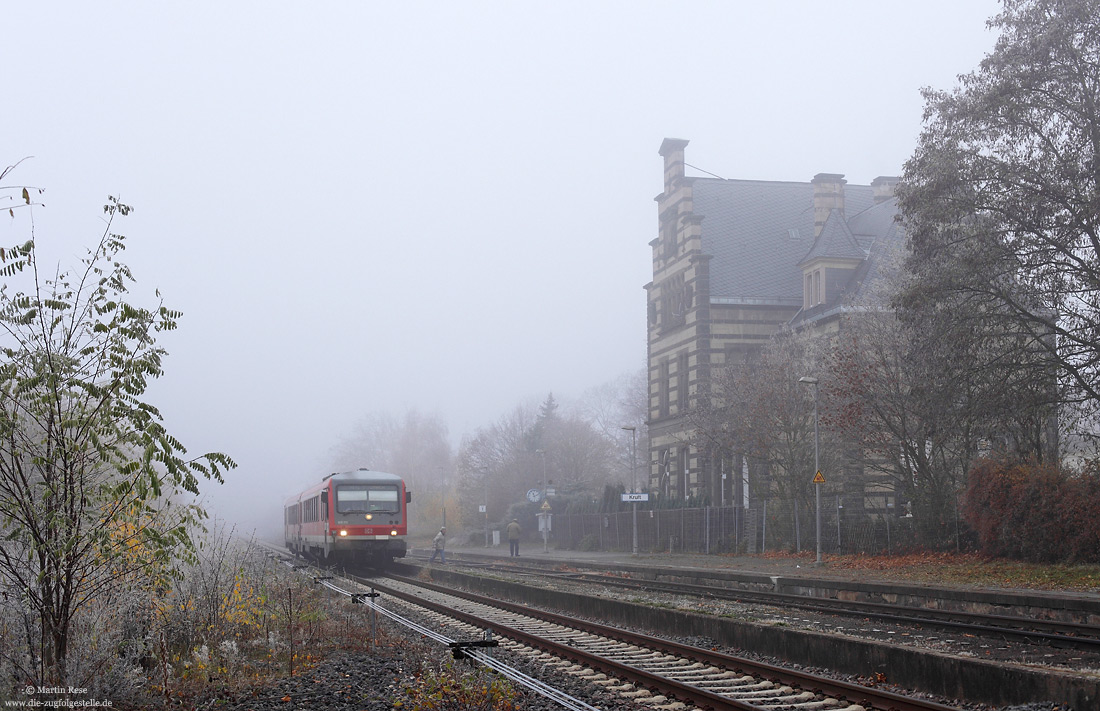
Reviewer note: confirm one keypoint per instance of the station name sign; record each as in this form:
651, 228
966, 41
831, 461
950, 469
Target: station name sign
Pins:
635, 497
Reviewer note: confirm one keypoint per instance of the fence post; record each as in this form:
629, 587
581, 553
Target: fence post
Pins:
706, 530
683, 526
839, 508
764, 530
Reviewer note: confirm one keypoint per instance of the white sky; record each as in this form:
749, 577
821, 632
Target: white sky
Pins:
369, 207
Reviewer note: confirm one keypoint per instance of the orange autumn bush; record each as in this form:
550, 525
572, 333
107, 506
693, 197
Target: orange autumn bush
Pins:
1037, 512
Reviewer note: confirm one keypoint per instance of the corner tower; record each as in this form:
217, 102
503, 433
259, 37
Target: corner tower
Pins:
678, 341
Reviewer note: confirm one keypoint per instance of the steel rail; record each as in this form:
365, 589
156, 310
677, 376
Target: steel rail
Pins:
484, 658
1005, 626
882, 611
876, 698
638, 677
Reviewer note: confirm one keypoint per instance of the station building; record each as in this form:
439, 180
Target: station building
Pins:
734, 263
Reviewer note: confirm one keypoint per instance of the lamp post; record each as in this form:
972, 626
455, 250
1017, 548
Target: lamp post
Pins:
485, 499
542, 483
817, 467
545, 499
633, 481
443, 494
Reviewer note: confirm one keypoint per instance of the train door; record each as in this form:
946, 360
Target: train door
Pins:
326, 527
294, 526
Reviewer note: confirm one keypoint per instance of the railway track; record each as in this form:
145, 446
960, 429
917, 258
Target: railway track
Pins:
956, 680
362, 591
641, 665
656, 673
1064, 635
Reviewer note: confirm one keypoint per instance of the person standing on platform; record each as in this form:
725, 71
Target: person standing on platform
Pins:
438, 544
513, 537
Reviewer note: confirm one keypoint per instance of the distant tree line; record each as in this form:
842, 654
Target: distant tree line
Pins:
577, 450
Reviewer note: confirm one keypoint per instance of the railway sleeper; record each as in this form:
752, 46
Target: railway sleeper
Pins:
749, 692
726, 676
635, 693
655, 700
787, 701
673, 664
689, 677
625, 686
736, 691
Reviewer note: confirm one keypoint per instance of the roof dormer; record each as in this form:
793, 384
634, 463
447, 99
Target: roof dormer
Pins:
828, 267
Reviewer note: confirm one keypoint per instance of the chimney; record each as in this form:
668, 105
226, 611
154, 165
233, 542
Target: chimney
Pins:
672, 150
883, 186
828, 196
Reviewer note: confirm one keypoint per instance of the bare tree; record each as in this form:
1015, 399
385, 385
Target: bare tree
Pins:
1000, 198
415, 447
623, 402
918, 399
761, 411
498, 464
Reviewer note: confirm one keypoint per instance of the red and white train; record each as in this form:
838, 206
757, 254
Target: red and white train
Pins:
350, 517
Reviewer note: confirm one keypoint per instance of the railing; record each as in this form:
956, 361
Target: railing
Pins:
732, 530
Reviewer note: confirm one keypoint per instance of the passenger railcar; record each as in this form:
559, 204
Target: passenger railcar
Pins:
350, 517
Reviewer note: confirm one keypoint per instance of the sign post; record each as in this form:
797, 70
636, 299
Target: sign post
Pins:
818, 481
544, 525
634, 499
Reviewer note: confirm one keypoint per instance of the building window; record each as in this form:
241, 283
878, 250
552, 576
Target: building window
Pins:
662, 384
817, 287
684, 461
682, 383
668, 234
674, 304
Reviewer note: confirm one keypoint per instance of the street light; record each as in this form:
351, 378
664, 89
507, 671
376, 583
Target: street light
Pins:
485, 499
545, 499
443, 494
817, 468
633, 482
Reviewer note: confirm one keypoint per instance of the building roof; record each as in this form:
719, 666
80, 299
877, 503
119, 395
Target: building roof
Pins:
758, 232
836, 240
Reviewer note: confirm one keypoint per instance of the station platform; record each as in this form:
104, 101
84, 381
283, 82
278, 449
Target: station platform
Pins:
800, 574
785, 565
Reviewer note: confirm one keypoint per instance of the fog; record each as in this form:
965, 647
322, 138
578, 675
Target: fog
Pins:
376, 207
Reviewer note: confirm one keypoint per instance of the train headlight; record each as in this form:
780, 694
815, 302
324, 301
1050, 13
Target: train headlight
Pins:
369, 516
393, 533
343, 533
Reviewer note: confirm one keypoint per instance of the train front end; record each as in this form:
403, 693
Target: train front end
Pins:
369, 519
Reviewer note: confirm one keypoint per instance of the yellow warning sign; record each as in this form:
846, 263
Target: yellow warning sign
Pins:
818, 478
545, 506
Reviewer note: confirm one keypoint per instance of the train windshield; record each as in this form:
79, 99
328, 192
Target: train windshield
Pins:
363, 498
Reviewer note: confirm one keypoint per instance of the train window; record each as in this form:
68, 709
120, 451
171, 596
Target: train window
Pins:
363, 499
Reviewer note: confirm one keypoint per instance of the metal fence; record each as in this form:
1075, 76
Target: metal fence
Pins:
733, 530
